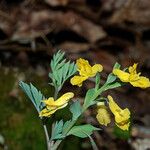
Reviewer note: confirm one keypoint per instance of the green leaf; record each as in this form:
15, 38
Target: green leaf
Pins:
76, 110
82, 131
97, 81
111, 78
66, 125
34, 95
37, 95
72, 70
117, 66
57, 130
89, 99
65, 70
60, 65
114, 85
61, 69
57, 60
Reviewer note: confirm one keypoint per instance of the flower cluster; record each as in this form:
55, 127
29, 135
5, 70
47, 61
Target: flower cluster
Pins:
122, 116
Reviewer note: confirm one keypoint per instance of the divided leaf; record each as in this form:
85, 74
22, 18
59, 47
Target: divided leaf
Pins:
57, 130
76, 110
34, 95
66, 125
82, 131
61, 69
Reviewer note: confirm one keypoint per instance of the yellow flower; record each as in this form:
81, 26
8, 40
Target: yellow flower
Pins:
103, 116
122, 116
85, 71
132, 77
52, 106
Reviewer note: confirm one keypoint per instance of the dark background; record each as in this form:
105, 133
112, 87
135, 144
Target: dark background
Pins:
102, 31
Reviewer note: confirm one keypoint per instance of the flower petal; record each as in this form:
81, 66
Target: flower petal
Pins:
113, 105
84, 67
46, 112
123, 76
124, 126
143, 82
96, 68
49, 101
132, 69
122, 116
81, 63
63, 99
77, 80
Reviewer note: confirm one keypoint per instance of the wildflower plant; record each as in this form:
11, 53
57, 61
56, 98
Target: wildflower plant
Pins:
77, 73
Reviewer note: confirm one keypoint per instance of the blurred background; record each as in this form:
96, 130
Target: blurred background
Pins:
102, 31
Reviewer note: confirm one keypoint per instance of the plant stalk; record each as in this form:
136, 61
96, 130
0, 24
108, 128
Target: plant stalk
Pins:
58, 142
47, 137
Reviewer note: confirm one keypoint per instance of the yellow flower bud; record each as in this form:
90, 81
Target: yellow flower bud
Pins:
103, 115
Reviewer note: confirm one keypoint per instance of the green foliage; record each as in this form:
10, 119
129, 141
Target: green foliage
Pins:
66, 126
111, 82
114, 85
34, 95
57, 130
97, 81
111, 78
89, 99
61, 69
76, 110
117, 66
82, 131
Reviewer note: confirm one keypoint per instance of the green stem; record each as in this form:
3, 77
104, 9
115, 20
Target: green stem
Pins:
58, 142
47, 137
55, 97
56, 93
99, 92
95, 95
